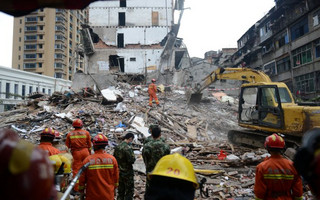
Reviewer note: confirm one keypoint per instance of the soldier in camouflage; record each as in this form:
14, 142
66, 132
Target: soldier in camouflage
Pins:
154, 150
125, 158
150, 138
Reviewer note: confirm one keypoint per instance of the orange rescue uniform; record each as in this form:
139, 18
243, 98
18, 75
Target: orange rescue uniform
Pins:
152, 90
79, 142
276, 178
47, 146
101, 178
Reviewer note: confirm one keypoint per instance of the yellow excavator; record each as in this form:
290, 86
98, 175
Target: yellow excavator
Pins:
264, 107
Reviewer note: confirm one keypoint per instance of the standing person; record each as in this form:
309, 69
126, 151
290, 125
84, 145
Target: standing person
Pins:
276, 177
100, 179
79, 142
150, 138
125, 158
154, 150
46, 138
152, 90
172, 178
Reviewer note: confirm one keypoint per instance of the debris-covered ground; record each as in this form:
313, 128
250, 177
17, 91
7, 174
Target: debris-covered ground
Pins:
197, 131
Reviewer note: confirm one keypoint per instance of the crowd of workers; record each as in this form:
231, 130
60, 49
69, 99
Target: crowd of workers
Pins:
25, 167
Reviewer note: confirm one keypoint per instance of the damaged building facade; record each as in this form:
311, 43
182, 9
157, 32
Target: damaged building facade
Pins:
285, 43
133, 37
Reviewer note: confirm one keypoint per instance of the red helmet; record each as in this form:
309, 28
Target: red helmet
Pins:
57, 136
274, 141
24, 168
100, 139
153, 80
48, 132
77, 123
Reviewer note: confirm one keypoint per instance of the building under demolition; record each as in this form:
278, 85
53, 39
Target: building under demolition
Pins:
285, 43
133, 37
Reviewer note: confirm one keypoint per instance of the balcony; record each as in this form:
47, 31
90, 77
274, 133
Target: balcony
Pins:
31, 19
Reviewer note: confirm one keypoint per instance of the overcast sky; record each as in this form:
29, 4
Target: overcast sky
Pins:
207, 25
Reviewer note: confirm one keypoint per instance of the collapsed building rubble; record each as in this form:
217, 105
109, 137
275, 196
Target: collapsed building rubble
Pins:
196, 131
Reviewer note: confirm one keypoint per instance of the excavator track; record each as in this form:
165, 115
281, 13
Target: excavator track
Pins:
256, 139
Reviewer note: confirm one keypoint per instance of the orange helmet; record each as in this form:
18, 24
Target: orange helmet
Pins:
100, 139
24, 168
48, 132
77, 123
274, 141
153, 80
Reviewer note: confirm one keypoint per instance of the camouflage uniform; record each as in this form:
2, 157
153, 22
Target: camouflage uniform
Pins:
125, 158
150, 138
152, 152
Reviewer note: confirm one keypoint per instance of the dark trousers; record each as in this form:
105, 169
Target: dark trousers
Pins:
126, 186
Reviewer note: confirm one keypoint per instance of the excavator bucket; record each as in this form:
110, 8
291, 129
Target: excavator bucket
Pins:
195, 98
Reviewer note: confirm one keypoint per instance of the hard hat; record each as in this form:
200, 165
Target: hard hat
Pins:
57, 161
153, 80
57, 136
26, 171
77, 123
274, 141
175, 166
100, 139
48, 132
307, 160
67, 163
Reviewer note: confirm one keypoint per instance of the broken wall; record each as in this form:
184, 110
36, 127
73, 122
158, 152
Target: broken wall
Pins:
135, 60
101, 81
141, 13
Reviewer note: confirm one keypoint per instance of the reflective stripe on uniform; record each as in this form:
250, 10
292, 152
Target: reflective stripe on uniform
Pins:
256, 198
78, 136
298, 198
278, 176
110, 166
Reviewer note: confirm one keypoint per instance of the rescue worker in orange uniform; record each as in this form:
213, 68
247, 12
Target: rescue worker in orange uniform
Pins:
101, 178
26, 171
46, 139
276, 177
307, 160
152, 90
79, 142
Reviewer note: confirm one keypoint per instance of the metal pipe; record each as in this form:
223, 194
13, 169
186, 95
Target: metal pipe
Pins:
73, 182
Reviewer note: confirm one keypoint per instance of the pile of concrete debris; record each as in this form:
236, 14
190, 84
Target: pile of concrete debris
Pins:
196, 131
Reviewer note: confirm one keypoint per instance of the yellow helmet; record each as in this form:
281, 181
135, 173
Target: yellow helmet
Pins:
56, 161
67, 163
175, 166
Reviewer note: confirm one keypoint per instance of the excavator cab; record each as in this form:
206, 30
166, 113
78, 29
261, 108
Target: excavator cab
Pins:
259, 106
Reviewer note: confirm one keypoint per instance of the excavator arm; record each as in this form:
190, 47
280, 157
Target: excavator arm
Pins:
241, 74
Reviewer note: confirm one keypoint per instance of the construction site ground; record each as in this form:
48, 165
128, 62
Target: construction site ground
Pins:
198, 131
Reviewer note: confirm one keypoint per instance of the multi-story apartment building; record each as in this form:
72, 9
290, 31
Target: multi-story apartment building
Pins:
46, 42
133, 35
285, 43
